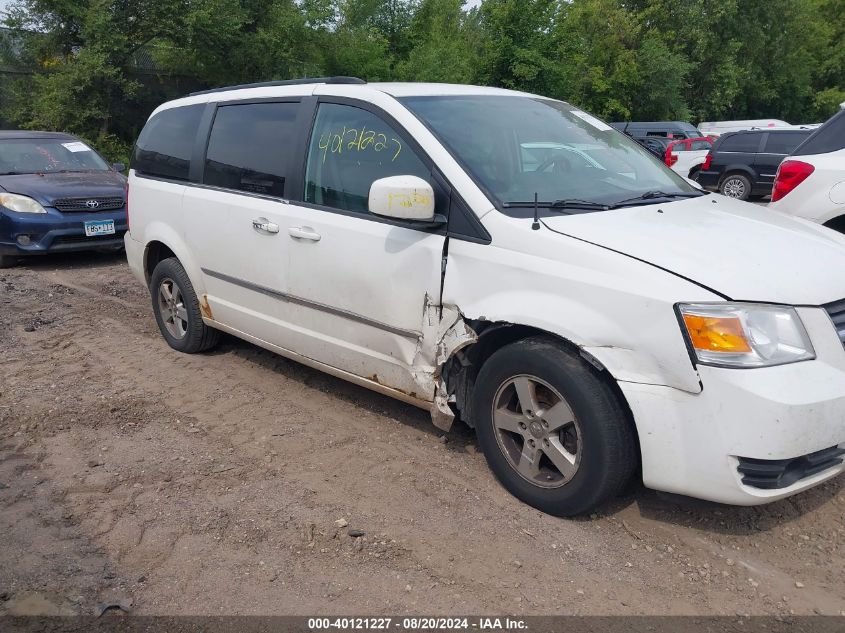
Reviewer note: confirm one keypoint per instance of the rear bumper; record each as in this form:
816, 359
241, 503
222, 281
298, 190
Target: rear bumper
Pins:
708, 179
751, 436
135, 252
56, 232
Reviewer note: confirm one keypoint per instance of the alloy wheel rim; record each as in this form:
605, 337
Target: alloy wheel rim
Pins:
734, 188
537, 431
172, 308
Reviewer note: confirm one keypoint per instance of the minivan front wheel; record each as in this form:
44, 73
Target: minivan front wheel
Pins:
736, 186
177, 309
553, 432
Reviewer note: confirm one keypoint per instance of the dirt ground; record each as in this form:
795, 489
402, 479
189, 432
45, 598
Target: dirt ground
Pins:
215, 484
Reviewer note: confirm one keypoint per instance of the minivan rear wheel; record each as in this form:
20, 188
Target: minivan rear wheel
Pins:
736, 186
552, 431
177, 309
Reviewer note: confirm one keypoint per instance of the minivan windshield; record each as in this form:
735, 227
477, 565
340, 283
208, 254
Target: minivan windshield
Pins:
516, 147
45, 155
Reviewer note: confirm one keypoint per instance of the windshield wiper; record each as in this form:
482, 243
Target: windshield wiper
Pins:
654, 195
568, 203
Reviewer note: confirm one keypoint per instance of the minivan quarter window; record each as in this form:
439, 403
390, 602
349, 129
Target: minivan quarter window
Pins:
164, 147
250, 146
350, 149
741, 143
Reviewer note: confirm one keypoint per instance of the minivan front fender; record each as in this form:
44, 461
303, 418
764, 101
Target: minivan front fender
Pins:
618, 310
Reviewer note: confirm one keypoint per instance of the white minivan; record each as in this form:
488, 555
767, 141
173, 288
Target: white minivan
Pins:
589, 312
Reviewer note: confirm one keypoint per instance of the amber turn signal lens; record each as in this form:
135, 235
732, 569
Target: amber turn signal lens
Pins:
716, 334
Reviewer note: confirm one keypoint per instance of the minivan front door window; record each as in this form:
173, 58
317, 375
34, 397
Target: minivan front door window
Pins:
516, 147
350, 149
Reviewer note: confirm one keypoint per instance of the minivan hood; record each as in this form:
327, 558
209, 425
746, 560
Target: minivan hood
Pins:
742, 251
48, 187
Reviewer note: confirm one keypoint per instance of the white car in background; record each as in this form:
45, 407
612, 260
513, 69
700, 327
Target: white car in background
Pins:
717, 128
810, 183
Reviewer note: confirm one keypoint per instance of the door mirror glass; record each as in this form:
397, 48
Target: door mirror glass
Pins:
403, 198
119, 167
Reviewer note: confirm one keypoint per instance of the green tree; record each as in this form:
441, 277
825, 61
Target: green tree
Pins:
81, 55
516, 47
622, 59
443, 44
596, 51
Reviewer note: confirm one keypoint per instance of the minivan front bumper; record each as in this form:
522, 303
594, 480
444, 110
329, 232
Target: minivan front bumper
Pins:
790, 417
56, 232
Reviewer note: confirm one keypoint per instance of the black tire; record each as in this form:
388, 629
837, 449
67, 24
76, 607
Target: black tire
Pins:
7, 261
608, 456
736, 186
693, 173
197, 336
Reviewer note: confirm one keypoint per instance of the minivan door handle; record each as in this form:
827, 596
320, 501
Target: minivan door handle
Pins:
263, 225
304, 233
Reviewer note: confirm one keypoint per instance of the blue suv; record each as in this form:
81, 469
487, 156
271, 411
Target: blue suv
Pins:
57, 194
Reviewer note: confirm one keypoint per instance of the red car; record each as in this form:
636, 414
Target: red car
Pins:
685, 156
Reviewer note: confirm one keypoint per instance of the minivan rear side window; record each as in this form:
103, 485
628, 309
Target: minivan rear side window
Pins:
784, 142
740, 143
830, 137
250, 147
165, 144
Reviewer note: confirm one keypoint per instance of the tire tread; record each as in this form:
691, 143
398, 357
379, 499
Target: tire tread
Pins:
608, 417
200, 337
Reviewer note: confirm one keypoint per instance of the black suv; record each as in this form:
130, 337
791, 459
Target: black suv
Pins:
744, 164
657, 145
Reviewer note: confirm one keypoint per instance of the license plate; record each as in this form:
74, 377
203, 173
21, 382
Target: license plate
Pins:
99, 227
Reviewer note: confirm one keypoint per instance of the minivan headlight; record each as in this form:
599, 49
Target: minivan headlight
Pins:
745, 334
20, 204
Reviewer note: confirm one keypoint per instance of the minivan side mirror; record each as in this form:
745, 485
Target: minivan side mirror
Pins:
402, 198
118, 167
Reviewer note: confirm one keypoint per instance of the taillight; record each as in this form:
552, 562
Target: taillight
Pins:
127, 205
670, 158
707, 160
791, 173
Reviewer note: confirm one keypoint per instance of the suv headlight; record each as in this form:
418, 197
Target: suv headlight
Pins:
20, 204
745, 334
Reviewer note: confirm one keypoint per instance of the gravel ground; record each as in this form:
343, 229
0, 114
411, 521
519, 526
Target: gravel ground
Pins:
230, 482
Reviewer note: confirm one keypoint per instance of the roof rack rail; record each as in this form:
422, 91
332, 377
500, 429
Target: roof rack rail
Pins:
285, 82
